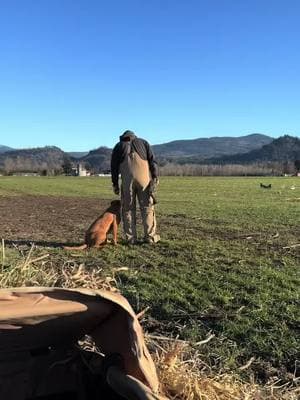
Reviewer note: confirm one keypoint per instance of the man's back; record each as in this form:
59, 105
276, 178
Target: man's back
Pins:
128, 147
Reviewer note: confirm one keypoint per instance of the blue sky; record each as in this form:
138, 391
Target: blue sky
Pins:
77, 73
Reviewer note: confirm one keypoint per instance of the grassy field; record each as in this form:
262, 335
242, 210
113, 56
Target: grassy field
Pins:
226, 266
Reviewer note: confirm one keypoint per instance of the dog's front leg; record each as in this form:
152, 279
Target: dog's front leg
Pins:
115, 231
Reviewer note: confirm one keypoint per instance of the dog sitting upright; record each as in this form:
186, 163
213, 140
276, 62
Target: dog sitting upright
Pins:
96, 235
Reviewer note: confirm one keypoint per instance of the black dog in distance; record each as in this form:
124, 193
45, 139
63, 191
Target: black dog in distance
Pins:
266, 186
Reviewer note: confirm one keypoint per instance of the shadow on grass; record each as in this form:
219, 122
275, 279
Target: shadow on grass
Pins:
39, 243
57, 245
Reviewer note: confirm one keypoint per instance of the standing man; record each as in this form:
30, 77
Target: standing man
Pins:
132, 157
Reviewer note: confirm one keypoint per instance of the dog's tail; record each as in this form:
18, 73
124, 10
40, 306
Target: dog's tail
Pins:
82, 247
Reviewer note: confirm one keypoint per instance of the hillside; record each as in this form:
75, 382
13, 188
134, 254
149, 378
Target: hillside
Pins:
204, 148
4, 149
36, 159
98, 159
286, 148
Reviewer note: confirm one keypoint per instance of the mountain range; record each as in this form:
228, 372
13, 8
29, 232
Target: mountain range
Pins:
245, 149
205, 148
49, 158
284, 149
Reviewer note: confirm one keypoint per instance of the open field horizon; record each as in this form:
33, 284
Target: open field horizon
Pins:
227, 264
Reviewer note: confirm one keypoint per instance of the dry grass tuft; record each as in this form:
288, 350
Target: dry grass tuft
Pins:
30, 270
181, 378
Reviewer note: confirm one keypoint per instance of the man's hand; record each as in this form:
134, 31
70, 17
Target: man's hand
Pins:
153, 185
156, 182
116, 189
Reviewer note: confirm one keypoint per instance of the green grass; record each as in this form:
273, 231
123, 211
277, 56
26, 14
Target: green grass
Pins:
221, 266
55, 186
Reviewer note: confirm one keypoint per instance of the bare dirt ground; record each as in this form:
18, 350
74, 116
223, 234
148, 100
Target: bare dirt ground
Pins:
47, 221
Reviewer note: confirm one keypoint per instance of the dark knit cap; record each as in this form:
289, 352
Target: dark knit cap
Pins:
127, 135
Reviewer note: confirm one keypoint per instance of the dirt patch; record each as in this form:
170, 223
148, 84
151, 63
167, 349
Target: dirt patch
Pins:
47, 220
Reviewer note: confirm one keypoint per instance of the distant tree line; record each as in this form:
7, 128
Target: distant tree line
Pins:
20, 165
58, 163
46, 167
255, 169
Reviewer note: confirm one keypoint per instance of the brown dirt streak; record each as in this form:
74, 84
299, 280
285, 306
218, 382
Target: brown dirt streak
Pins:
48, 218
